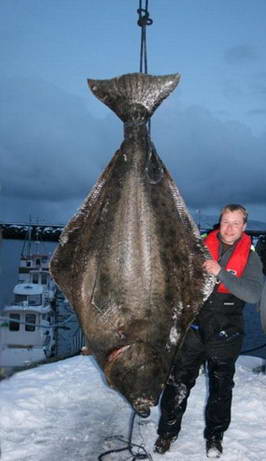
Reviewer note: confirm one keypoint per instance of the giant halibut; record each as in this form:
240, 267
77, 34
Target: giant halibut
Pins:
130, 261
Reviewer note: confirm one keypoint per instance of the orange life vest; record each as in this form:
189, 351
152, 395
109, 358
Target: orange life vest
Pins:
238, 259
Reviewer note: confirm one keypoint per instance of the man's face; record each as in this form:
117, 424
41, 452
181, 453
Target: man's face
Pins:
231, 227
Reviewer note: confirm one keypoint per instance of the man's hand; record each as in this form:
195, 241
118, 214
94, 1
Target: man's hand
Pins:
212, 267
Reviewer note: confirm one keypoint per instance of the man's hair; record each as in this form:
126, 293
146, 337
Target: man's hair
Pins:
234, 207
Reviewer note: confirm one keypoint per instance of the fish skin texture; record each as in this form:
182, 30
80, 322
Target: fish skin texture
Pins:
130, 260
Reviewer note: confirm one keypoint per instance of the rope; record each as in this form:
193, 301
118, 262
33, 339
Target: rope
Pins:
153, 169
140, 454
144, 21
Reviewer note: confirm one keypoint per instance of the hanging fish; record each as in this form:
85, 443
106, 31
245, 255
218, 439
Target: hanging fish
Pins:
130, 261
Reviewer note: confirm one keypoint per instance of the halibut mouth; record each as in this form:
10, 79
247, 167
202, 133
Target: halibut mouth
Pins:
141, 405
114, 355
111, 359
123, 371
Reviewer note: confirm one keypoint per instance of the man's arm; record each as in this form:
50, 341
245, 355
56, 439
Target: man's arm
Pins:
249, 286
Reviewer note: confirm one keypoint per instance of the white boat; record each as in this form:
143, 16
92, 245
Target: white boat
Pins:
27, 333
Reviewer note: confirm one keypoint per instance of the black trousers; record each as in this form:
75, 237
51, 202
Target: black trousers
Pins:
220, 354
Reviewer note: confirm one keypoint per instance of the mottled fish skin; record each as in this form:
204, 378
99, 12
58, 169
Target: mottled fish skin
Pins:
130, 261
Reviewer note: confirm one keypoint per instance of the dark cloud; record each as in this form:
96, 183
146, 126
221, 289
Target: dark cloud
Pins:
257, 112
53, 150
212, 162
49, 142
257, 85
232, 90
248, 93
240, 54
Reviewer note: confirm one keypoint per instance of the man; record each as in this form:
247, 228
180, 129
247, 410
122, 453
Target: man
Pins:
216, 335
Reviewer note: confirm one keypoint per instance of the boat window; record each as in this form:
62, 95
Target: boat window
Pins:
35, 278
28, 263
14, 326
19, 299
34, 300
38, 262
44, 279
30, 322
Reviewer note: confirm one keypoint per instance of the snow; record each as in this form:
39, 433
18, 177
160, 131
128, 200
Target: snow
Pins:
65, 411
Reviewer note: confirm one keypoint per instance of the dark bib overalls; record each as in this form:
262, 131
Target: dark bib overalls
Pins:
215, 338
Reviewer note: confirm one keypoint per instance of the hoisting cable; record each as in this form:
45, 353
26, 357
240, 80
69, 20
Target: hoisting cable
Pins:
144, 21
153, 167
131, 447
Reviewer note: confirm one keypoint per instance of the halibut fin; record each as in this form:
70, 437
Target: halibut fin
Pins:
134, 97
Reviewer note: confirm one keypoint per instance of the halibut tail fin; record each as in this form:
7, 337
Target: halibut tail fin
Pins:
134, 97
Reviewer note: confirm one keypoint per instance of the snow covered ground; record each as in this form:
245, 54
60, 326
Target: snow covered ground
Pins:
63, 411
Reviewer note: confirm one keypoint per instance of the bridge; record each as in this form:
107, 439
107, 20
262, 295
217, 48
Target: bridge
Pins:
51, 233
47, 233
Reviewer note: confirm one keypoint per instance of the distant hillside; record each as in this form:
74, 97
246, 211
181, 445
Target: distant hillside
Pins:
52, 233
256, 225
208, 221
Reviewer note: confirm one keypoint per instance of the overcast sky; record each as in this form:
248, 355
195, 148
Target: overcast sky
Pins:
56, 137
